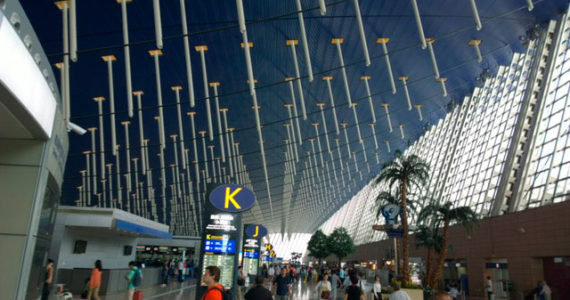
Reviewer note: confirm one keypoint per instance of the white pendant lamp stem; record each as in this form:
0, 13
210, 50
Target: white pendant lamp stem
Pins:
297, 116
377, 158
346, 139
373, 127
236, 153
297, 78
361, 31
187, 59
387, 145
294, 147
228, 144
205, 155
369, 95
404, 80
316, 125
94, 159
402, 131
419, 23
331, 98
137, 193
176, 90
157, 23
110, 181
202, 50
357, 122
363, 145
338, 42
128, 153
386, 108
339, 154
139, 94
323, 7
443, 88
355, 163
430, 43
530, 5
127, 53
99, 101
304, 40
419, 109
73, 29
476, 44
118, 178
213, 162
218, 117
326, 131
162, 181
383, 42
109, 59
291, 128
195, 147
478, 24
88, 174
64, 7
156, 54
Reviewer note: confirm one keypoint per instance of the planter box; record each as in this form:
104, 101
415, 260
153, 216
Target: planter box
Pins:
415, 294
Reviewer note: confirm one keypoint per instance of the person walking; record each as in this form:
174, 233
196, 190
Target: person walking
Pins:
489, 288
336, 283
377, 289
134, 279
398, 294
354, 292
282, 285
544, 291
164, 274
240, 283
181, 270
324, 288
48, 279
271, 273
95, 281
258, 291
212, 279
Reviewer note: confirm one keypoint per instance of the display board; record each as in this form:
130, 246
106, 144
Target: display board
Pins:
221, 234
251, 252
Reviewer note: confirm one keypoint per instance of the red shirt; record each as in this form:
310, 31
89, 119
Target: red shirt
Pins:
214, 292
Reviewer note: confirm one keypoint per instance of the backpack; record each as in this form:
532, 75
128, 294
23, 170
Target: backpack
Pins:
226, 295
137, 278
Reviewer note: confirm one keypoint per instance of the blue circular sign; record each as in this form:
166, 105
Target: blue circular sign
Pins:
255, 231
232, 198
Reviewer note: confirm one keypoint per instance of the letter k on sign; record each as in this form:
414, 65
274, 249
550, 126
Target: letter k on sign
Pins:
230, 198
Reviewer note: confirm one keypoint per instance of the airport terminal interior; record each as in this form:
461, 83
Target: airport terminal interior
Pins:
285, 149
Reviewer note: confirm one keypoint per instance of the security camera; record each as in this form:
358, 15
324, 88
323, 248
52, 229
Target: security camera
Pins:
75, 128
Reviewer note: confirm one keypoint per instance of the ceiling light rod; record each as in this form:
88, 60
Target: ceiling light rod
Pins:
326, 131
314, 154
377, 158
99, 101
251, 78
443, 88
478, 25
93, 158
419, 23
323, 7
156, 54
292, 44
128, 153
386, 108
118, 177
187, 53
176, 90
157, 23
331, 97
387, 145
530, 5
110, 182
294, 105
139, 94
215, 85
363, 145
361, 31
205, 155
88, 174
196, 167
73, 29
476, 44
383, 42
365, 79
430, 43
373, 127
213, 162
109, 59
304, 40
228, 144
338, 42
343, 124
292, 128
162, 174
316, 125
127, 52
202, 49
402, 131
355, 162
289, 135
419, 109
64, 7
354, 105
404, 80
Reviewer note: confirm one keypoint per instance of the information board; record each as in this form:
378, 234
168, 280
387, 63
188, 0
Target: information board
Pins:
221, 234
251, 250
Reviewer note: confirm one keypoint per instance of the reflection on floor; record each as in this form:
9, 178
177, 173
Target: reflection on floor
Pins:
186, 291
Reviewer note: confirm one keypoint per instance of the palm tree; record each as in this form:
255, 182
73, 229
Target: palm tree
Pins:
429, 238
446, 214
407, 171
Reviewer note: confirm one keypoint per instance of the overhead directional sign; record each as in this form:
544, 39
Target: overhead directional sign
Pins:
232, 198
256, 231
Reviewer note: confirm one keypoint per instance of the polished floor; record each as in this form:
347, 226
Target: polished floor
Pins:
186, 291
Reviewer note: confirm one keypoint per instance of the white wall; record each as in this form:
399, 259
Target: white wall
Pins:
108, 247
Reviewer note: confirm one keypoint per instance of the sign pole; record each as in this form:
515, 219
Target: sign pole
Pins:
396, 254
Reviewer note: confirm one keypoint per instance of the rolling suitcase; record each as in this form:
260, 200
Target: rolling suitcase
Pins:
137, 295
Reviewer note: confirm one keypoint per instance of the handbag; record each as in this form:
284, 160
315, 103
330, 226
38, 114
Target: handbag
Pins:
325, 295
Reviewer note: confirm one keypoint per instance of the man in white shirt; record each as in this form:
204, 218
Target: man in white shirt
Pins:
270, 273
398, 294
489, 287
